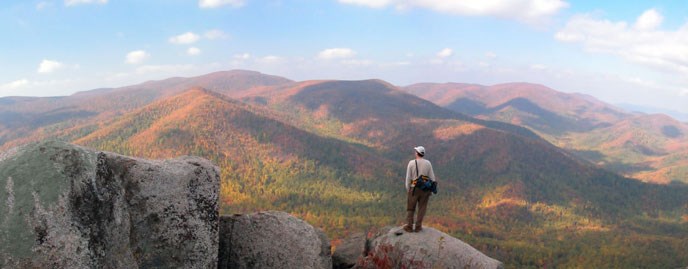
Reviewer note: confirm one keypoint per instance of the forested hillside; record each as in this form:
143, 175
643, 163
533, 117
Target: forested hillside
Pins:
335, 152
652, 148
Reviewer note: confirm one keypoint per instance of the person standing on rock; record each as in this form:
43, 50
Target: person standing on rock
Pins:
417, 167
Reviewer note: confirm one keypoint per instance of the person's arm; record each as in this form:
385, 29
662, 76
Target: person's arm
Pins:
408, 177
432, 173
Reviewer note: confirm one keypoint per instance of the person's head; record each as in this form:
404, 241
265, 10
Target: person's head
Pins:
420, 151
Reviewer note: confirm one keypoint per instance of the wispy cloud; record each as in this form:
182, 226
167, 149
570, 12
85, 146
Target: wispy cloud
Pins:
164, 69
640, 42
336, 53
70, 3
185, 38
538, 67
219, 3
444, 53
270, 59
369, 3
215, 34
242, 56
136, 57
356, 62
14, 84
43, 4
524, 10
193, 51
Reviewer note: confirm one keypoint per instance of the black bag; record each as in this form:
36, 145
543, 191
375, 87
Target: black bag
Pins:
424, 183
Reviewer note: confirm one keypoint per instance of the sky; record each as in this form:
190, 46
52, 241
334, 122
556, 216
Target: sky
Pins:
633, 52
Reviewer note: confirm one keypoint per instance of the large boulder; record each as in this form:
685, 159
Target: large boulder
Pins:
429, 248
271, 240
65, 206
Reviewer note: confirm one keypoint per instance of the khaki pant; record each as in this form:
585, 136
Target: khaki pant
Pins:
416, 197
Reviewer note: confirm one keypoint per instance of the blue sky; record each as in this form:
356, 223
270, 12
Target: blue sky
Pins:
619, 51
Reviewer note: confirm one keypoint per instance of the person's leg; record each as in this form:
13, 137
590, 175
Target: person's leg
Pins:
412, 199
423, 198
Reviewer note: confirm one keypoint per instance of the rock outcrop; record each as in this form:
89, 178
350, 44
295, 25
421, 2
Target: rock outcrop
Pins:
65, 206
430, 248
351, 249
271, 240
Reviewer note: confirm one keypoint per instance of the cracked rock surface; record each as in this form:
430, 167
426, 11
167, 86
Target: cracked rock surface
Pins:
65, 206
272, 239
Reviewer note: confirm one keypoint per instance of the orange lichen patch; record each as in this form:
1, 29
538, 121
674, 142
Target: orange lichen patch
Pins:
451, 132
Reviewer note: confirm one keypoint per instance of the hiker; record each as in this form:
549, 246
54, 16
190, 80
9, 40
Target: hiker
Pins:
417, 168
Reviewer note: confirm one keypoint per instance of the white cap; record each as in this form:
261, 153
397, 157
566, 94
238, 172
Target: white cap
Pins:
420, 149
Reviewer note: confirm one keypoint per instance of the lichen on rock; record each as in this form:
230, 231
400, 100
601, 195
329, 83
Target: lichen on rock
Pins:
71, 207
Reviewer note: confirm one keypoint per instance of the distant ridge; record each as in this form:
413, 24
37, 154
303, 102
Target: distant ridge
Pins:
628, 143
653, 110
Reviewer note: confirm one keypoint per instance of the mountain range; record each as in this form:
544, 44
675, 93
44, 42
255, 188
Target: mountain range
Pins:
526, 173
649, 147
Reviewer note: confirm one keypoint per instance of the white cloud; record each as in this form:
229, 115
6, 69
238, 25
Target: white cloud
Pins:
683, 93
336, 53
525, 10
444, 53
79, 2
48, 66
242, 56
219, 3
490, 55
215, 34
270, 59
14, 84
136, 57
649, 20
193, 51
185, 38
641, 43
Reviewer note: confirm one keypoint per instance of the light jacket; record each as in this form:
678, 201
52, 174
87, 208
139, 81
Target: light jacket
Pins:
424, 168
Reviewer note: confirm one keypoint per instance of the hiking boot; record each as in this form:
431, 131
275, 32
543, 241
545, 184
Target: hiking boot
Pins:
408, 228
418, 229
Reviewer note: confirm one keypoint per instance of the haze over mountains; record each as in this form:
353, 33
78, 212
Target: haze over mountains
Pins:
334, 153
649, 147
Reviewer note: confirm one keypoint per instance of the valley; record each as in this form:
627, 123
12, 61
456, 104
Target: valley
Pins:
532, 182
